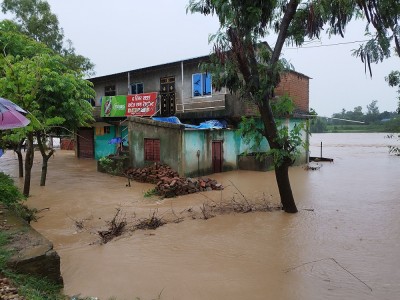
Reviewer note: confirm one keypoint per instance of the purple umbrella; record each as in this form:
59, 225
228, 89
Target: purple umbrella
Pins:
12, 105
11, 115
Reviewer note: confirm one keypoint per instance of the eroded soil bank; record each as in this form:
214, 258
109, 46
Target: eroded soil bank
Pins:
343, 244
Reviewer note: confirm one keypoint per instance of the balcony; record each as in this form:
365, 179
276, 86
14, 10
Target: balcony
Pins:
201, 104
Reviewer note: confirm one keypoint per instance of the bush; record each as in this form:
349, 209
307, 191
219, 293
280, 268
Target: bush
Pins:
9, 193
150, 193
394, 149
114, 167
12, 198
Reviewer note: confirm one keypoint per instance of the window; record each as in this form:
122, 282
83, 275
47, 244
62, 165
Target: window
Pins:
102, 130
137, 88
201, 84
110, 90
151, 150
92, 102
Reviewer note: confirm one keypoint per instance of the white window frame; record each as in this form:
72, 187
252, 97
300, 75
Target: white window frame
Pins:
136, 84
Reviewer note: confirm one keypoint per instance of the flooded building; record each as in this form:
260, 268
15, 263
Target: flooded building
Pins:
182, 90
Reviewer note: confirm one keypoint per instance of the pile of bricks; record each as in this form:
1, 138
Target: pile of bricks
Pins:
169, 184
7, 291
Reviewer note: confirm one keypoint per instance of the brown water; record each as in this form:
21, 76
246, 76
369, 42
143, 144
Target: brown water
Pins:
348, 247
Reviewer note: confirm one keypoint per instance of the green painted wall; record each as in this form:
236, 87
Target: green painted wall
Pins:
101, 146
201, 140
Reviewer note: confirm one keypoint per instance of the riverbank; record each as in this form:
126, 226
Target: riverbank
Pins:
355, 128
23, 251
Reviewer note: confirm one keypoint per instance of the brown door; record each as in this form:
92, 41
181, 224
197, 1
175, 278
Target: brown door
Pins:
151, 150
86, 143
217, 156
167, 95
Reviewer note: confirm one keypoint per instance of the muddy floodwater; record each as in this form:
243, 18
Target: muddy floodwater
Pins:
343, 244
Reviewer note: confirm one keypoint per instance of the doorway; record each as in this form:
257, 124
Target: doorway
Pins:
217, 156
167, 95
86, 143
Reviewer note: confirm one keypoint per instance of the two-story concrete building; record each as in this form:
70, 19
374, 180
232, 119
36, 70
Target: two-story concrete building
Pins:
175, 89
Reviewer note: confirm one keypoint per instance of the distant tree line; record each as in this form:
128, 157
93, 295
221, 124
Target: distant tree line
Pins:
371, 120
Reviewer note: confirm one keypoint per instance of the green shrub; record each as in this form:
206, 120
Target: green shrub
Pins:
4, 254
111, 166
12, 198
9, 193
150, 193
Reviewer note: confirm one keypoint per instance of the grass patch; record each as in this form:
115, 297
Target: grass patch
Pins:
35, 288
4, 253
355, 128
32, 288
150, 193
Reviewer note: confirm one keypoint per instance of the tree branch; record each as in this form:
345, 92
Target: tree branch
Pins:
283, 29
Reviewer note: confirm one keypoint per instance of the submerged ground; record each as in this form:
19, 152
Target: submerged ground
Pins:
343, 244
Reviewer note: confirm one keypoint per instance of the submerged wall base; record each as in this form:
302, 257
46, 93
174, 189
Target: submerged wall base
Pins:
33, 253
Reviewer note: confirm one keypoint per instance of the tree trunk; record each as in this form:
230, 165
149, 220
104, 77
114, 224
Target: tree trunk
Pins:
45, 158
285, 190
30, 152
44, 171
282, 169
245, 57
18, 150
20, 163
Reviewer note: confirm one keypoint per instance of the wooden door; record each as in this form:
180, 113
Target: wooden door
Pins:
217, 156
167, 96
85, 143
151, 150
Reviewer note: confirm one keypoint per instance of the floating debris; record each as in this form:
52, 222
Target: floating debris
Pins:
313, 166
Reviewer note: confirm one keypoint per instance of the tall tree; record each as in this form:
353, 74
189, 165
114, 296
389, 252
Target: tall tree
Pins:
373, 114
42, 84
393, 79
383, 16
35, 19
243, 64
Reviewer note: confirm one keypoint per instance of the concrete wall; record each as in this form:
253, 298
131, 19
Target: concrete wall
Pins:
150, 77
220, 105
179, 146
119, 80
201, 140
170, 136
32, 253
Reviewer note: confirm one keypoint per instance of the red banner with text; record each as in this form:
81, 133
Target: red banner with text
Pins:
141, 104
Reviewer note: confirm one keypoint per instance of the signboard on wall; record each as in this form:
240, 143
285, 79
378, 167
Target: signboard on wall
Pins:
113, 106
141, 104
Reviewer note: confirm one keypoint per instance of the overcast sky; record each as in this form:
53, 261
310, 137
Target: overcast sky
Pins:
122, 35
